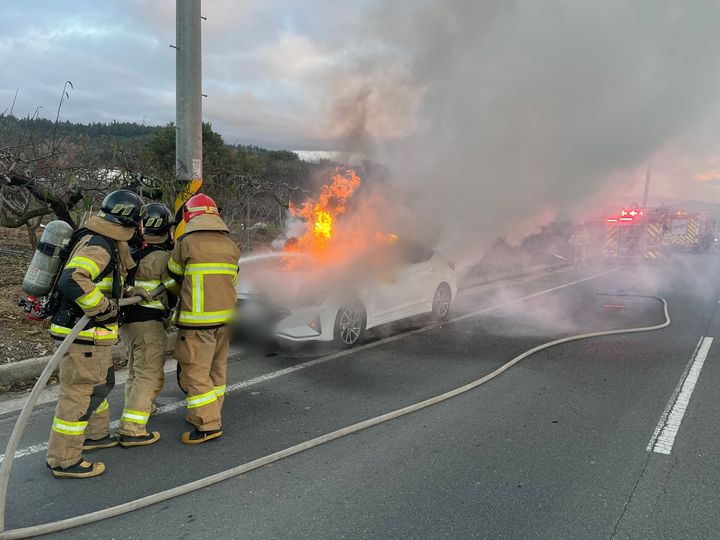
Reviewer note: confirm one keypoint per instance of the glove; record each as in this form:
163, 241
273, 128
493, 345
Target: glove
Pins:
110, 314
139, 291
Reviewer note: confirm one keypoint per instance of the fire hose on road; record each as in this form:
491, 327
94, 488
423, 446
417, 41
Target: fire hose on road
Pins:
282, 454
21, 422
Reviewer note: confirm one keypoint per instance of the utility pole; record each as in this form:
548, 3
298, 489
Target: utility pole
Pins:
188, 101
647, 185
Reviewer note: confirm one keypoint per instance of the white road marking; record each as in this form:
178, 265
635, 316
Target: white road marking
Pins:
275, 374
673, 397
34, 449
667, 429
50, 394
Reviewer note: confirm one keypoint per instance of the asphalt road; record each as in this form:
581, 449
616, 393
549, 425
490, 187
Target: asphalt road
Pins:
556, 447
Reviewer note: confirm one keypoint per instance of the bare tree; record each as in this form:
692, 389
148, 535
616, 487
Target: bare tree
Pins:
45, 174
253, 204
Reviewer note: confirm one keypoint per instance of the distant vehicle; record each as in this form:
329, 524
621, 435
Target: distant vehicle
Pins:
646, 233
636, 233
424, 282
688, 230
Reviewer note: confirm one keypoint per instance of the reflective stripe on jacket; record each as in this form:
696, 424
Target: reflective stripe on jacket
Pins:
97, 335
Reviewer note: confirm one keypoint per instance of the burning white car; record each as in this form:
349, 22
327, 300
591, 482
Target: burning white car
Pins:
302, 309
345, 273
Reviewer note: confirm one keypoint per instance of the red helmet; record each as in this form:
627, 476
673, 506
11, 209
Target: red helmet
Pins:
197, 205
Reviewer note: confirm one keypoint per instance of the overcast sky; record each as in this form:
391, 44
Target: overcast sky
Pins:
263, 63
530, 83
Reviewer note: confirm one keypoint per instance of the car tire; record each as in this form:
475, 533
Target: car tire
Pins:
350, 324
442, 301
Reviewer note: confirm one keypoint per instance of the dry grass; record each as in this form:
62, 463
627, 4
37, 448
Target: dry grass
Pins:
19, 338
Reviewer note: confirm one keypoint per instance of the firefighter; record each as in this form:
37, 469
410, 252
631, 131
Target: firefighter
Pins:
143, 329
202, 272
580, 239
90, 284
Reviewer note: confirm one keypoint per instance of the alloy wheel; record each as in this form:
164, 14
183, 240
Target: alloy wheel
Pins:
350, 325
441, 301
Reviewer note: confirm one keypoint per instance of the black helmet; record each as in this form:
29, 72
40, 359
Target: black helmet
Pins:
123, 207
157, 218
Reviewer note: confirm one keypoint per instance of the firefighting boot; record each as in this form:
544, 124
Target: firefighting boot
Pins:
82, 469
196, 437
106, 442
127, 441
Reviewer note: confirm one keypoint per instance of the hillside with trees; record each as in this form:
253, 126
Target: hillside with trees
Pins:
60, 170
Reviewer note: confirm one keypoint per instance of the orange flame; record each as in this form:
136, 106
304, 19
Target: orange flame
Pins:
320, 215
323, 241
323, 223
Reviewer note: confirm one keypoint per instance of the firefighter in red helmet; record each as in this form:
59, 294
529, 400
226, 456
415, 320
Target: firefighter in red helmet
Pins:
202, 272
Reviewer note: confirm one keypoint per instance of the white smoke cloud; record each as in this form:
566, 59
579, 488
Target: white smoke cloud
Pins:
527, 107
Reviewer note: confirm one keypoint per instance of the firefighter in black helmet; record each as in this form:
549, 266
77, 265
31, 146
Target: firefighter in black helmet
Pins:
143, 330
90, 283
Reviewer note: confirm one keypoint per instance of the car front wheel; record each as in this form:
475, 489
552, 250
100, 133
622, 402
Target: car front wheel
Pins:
349, 325
441, 302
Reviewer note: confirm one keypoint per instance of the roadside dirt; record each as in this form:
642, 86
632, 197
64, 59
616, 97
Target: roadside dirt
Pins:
19, 338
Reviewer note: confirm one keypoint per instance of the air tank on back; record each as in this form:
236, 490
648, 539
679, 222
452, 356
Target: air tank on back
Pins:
45, 263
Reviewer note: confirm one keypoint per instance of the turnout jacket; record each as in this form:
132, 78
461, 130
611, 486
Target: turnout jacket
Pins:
93, 274
151, 263
202, 272
580, 236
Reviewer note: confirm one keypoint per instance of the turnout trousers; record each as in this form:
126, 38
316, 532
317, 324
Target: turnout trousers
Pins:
145, 346
82, 412
202, 354
581, 254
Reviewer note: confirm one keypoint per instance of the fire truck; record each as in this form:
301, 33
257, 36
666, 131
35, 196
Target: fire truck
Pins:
687, 231
635, 233
647, 233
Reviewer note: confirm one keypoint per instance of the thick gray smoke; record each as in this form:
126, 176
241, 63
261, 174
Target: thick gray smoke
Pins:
497, 116
517, 109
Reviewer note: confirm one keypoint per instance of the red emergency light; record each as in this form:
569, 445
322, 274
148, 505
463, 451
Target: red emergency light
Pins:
632, 213
626, 219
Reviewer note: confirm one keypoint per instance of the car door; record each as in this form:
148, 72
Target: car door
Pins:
425, 280
416, 281
392, 294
